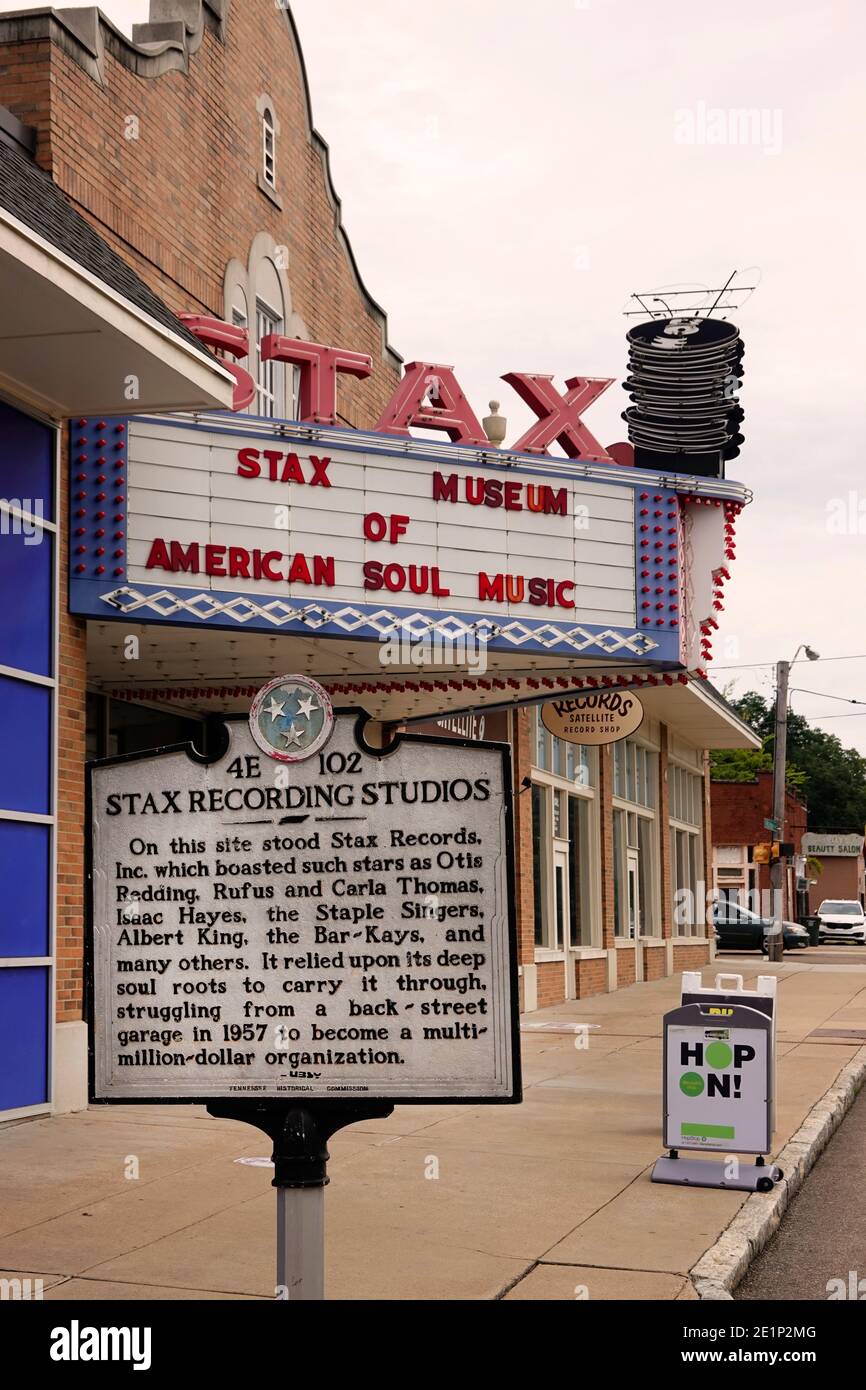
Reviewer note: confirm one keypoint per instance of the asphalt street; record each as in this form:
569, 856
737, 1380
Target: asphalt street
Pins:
823, 1235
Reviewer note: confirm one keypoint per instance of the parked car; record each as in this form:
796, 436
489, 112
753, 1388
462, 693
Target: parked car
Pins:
739, 929
842, 920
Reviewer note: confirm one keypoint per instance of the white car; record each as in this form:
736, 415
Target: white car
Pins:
842, 920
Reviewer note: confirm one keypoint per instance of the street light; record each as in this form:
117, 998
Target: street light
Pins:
775, 936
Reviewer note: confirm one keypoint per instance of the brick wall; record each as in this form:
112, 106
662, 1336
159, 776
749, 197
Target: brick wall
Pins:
71, 740
739, 810
590, 977
625, 967
550, 982
691, 957
654, 963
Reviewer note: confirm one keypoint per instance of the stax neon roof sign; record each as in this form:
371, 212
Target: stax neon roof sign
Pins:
428, 397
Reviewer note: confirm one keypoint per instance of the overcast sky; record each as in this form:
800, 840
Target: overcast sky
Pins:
510, 173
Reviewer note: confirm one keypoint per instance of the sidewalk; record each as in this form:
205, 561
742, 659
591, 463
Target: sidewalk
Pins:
531, 1201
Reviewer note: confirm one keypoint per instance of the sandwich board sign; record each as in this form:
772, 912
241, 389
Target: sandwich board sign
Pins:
338, 925
730, 989
718, 1094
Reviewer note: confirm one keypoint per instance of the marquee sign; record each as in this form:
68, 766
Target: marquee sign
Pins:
340, 929
250, 524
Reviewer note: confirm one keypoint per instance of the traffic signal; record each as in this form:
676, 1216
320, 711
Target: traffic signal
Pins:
761, 854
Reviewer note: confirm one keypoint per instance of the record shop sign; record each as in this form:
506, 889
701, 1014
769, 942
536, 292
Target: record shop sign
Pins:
339, 926
604, 716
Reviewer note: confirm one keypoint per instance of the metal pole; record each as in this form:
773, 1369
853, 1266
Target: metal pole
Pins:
301, 1244
775, 937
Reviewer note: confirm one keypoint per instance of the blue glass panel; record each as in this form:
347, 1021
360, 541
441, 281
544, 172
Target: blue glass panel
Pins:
23, 1036
26, 586
25, 764
26, 461
25, 905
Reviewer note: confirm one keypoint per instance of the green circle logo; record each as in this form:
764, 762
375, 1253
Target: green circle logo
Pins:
719, 1056
691, 1084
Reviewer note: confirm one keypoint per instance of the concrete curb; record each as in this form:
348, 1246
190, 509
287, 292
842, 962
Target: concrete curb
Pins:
723, 1266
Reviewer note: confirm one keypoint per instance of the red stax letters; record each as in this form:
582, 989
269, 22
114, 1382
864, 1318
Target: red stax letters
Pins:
227, 338
559, 416
319, 367
429, 397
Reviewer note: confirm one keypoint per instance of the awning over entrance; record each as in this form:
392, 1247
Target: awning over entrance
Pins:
195, 672
79, 332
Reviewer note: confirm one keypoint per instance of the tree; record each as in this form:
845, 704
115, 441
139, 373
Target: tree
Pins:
832, 778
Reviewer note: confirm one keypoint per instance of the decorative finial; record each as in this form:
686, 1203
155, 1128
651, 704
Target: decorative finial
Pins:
495, 426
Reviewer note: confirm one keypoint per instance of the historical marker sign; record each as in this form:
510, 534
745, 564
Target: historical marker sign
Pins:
339, 927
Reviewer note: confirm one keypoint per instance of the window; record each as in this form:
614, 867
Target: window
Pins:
635, 872
563, 841
634, 773
685, 795
269, 148
685, 792
269, 375
569, 760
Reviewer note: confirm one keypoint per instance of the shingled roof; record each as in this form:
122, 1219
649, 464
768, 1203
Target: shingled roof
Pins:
31, 196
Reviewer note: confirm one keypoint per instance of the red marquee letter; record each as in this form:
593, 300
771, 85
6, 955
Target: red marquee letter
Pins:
429, 397
319, 367
235, 341
559, 416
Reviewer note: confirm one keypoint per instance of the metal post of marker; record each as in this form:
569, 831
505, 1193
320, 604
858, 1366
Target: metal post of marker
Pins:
301, 1243
300, 1134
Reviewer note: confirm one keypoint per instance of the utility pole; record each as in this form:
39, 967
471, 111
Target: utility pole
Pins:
775, 937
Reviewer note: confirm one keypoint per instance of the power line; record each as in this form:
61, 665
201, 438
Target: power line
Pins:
762, 665
822, 717
822, 695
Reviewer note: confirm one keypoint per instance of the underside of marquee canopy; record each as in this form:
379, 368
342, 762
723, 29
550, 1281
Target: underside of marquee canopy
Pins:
196, 673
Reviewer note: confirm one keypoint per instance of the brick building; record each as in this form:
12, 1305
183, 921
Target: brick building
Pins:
739, 810
178, 173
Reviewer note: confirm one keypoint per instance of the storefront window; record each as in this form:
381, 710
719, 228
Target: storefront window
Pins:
570, 760
563, 843
116, 727
580, 924
635, 866
685, 796
634, 773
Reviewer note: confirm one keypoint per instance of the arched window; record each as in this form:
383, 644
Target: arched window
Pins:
269, 147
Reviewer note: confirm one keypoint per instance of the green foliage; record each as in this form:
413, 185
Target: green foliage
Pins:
831, 778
